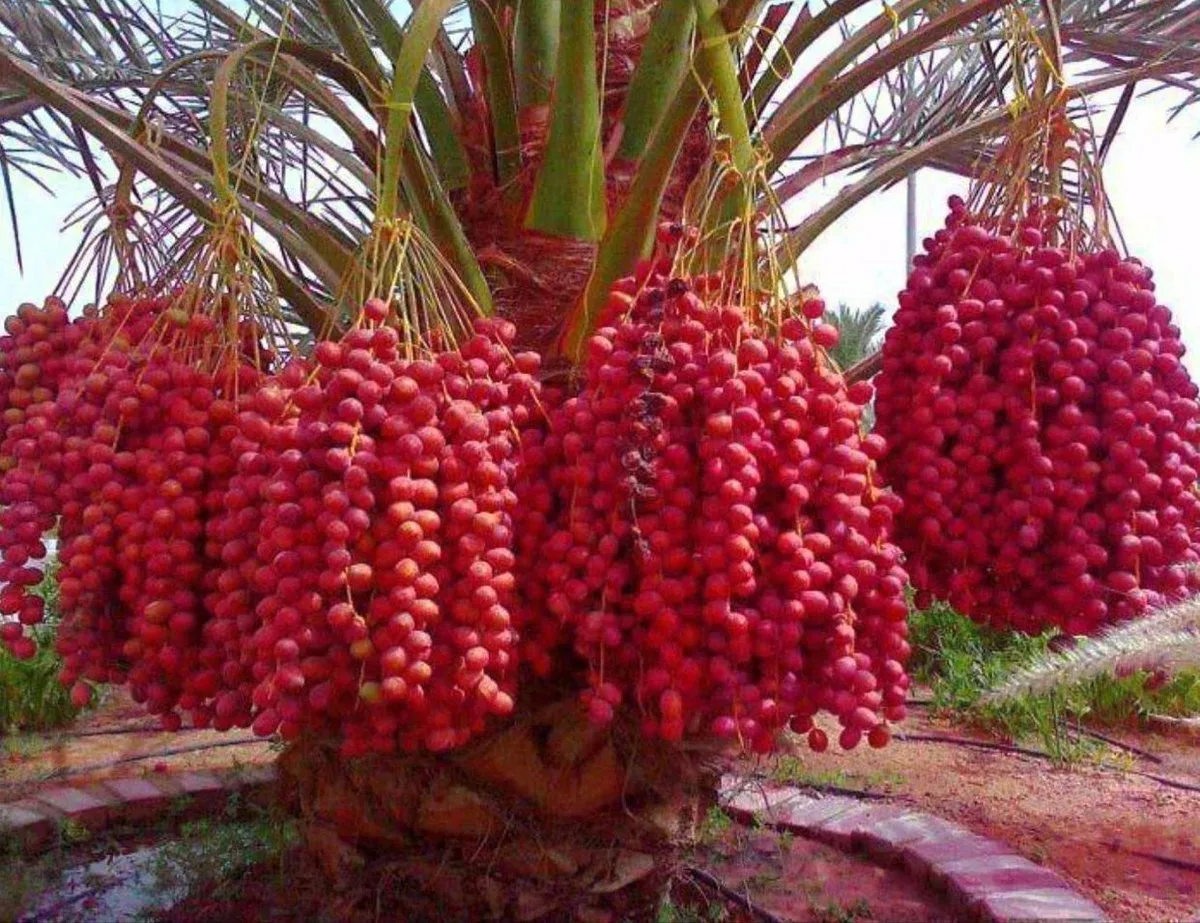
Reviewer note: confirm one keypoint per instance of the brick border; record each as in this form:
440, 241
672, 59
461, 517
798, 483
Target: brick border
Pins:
984, 880
34, 823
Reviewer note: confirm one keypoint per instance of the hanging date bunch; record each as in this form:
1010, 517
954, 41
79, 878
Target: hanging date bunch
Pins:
113, 448
710, 536
1042, 429
45, 454
367, 547
141, 416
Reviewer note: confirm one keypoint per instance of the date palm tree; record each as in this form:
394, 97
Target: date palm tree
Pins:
860, 336
538, 145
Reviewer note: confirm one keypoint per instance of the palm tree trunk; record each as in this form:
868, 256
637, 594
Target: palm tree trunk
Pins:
549, 818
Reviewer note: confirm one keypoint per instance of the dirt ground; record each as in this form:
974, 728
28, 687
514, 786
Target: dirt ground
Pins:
801, 881
740, 876
1129, 843
78, 754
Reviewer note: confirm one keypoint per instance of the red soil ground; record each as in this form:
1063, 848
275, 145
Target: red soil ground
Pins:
1129, 843
78, 754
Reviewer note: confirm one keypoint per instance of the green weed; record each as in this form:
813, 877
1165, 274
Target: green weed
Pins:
791, 770
763, 881
214, 853
71, 832
21, 880
834, 912
715, 825
670, 912
31, 697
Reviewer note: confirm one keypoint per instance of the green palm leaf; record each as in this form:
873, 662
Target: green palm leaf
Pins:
844, 85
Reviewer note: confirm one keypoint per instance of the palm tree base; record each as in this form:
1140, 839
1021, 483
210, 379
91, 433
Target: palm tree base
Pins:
547, 818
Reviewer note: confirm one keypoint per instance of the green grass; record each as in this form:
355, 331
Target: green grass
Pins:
715, 825
31, 697
214, 853
792, 770
960, 661
670, 912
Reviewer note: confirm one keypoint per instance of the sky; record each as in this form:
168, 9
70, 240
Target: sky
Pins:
1151, 177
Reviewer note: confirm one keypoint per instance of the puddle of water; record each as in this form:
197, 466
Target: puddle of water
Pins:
116, 889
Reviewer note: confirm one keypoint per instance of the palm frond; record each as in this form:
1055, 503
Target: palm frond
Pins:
975, 76
972, 72
927, 76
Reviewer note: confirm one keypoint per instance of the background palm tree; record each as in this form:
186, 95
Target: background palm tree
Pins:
861, 334
861, 331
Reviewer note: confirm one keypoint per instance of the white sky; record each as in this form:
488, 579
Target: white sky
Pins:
1150, 176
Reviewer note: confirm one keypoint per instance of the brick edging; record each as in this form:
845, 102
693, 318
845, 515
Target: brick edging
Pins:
35, 822
983, 879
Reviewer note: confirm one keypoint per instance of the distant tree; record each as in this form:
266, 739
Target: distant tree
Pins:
861, 332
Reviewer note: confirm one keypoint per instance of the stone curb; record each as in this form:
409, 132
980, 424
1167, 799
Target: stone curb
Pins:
984, 880
35, 823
